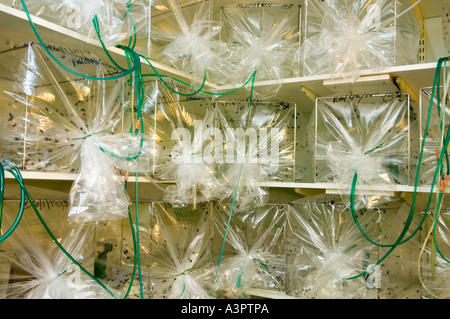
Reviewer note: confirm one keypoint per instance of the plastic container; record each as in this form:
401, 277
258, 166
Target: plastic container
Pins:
180, 252
262, 37
370, 131
342, 38
253, 254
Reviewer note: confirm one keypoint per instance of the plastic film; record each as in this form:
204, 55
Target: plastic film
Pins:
39, 269
186, 133
432, 141
325, 248
259, 146
62, 110
433, 265
369, 131
97, 194
344, 37
118, 20
180, 252
253, 254
184, 36
265, 38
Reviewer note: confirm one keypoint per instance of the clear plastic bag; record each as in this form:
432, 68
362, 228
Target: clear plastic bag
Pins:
184, 36
98, 193
117, 263
344, 37
432, 142
327, 255
180, 252
259, 146
433, 267
118, 20
265, 38
397, 275
40, 269
253, 255
369, 131
186, 137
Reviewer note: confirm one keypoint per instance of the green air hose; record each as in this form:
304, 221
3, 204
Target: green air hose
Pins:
411, 214
136, 77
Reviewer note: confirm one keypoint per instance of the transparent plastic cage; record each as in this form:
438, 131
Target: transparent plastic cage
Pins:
370, 131
434, 261
327, 256
276, 125
39, 269
180, 252
261, 37
436, 127
342, 37
183, 130
253, 255
184, 35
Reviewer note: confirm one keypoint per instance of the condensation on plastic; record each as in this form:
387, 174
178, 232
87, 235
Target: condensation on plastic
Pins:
370, 131
254, 252
324, 247
116, 21
265, 38
39, 269
184, 36
344, 37
446, 23
259, 146
180, 252
433, 138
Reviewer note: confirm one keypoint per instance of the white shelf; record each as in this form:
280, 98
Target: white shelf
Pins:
271, 294
331, 188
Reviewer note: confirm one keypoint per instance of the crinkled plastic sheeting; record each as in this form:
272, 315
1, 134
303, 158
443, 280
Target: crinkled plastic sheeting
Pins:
369, 131
259, 146
184, 36
432, 141
186, 133
265, 38
254, 253
432, 265
38, 268
344, 37
181, 252
117, 262
67, 120
118, 20
12, 111
327, 255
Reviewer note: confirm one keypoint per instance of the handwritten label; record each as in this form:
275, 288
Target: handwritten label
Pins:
84, 61
253, 5
47, 203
